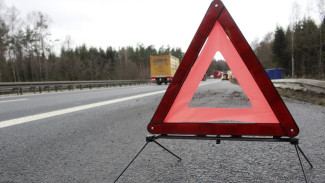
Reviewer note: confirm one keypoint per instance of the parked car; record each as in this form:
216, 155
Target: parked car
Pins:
224, 77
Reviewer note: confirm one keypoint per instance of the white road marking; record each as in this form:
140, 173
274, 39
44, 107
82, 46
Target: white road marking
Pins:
211, 82
5, 101
26, 119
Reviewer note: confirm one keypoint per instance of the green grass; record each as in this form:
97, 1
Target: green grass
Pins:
308, 96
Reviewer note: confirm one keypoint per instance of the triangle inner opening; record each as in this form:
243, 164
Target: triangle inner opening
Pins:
219, 88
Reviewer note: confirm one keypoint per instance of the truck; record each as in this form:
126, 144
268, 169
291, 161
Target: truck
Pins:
163, 68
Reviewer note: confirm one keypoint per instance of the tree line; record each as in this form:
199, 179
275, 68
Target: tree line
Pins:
84, 63
27, 54
299, 49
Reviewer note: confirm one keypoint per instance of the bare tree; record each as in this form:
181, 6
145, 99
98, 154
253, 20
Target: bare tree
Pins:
14, 24
68, 43
294, 21
321, 11
40, 23
263, 50
3, 47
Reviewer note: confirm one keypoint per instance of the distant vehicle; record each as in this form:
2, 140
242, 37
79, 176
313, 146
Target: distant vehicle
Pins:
217, 74
163, 68
230, 74
277, 73
224, 77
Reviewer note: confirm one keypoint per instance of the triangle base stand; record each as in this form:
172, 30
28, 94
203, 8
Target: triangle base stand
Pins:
218, 139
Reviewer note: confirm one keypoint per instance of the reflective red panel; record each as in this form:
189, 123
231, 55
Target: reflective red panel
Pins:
268, 114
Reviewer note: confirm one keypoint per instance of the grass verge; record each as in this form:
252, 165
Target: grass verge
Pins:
304, 96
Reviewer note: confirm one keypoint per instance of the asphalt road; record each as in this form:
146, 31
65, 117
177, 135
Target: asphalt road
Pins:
91, 135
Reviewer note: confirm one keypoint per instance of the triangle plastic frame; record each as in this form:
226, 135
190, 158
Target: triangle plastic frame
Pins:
268, 115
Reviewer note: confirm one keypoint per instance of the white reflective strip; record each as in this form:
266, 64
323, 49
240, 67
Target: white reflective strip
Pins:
5, 101
26, 119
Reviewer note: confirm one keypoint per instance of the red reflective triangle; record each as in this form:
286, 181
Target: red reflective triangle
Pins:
268, 114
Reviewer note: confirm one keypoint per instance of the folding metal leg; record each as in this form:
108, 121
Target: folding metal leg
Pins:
179, 159
311, 166
293, 141
131, 162
301, 165
148, 139
153, 138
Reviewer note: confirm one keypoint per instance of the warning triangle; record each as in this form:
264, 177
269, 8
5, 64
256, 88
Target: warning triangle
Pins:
267, 116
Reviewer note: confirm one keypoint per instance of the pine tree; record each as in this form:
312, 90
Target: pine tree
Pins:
280, 55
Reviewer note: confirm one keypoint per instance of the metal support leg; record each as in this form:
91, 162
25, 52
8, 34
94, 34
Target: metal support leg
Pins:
311, 166
302, 167
148, 139
179, 159
131, 161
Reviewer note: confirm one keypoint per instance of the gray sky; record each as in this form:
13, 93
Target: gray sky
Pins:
116, 23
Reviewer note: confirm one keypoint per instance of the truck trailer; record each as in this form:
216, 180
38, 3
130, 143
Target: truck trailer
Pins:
163, 68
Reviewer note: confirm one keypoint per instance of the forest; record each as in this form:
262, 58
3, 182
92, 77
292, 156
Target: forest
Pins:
300, 51
27, 53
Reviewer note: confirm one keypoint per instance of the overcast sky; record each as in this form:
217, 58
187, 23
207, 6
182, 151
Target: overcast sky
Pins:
103, 23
